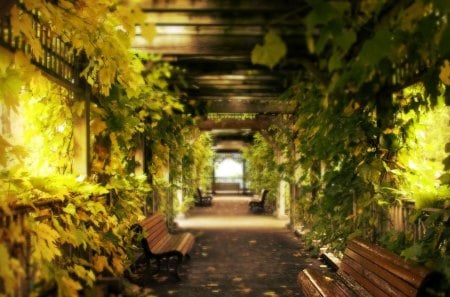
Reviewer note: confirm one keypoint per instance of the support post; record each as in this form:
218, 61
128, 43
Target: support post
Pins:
281, 203
139, 157
281, 197
81, 166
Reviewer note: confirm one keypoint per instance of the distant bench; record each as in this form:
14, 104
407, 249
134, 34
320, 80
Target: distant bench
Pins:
158, 243
367, 270
227, 187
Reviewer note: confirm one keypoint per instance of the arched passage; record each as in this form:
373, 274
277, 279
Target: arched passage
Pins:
229, 173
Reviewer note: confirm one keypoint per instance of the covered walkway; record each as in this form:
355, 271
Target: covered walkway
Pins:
237, 254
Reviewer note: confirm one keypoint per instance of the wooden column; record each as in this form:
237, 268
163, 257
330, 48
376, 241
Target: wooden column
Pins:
81, 165
281, 203
139, 157
169, 199
282, 193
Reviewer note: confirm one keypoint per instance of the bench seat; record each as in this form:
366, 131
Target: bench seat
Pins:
367, 270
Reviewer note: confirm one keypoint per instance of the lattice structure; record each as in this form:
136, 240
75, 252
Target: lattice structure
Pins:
58, 60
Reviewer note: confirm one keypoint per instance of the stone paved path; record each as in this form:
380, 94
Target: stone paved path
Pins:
236, 254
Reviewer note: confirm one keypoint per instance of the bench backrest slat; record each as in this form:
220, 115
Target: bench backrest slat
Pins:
263, 195
381, 272
155, 230
367, 279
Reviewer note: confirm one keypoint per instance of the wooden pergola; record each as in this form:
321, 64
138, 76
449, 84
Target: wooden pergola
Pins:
213, 41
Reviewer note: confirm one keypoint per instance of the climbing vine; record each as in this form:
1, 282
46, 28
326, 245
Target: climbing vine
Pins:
75, 230
262, 169
358, 120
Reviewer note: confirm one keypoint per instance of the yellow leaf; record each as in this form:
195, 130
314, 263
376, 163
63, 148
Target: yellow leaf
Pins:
7, 276
44, 243
78, 108
4, 146
70, 209
68, 287
348, 110
118, 265
97, 126
148, 31
100, 262
445, 73
47, 233
138, 15
85, 274
5, 60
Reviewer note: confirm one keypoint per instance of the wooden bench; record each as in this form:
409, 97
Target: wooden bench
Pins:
258, 203
158, 243
367, 270
203, 200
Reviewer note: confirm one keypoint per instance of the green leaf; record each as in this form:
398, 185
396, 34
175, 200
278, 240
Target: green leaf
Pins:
414, 252
271, 52
335, 62
322, 13
345, 40
376, 48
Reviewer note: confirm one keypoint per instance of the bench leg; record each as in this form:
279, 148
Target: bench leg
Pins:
178, 267
158, 263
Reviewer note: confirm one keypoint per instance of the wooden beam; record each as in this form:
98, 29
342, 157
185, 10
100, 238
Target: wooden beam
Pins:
244, 78
5, 6
257, 106
255, 125
237, 97
250, 30
211, 89
207, 18
208, 5
206, 45
196, 45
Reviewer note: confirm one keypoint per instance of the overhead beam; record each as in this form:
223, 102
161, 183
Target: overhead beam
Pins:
255, 125
236, 89
256, 106
239, 30
208, 5
217, 78
196, 45
206, 18
206, 45
229, 96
